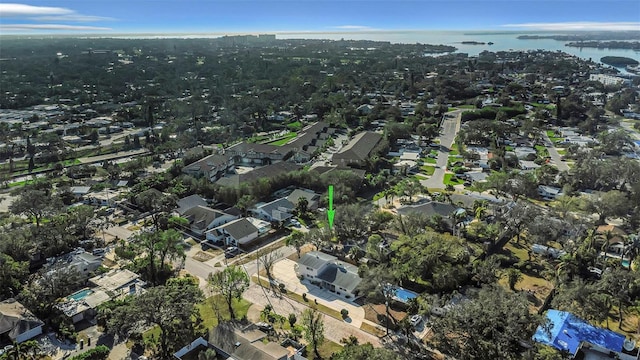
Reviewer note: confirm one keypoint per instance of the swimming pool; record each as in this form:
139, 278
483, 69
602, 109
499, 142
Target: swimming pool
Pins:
81, 294
625, 263
404, 295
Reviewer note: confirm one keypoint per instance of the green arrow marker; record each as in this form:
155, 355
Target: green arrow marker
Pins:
331, 213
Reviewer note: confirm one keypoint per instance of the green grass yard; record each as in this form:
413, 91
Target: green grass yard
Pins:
428, 170
449, 180
284, 139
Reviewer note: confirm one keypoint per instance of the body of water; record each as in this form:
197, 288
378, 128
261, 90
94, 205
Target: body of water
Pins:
506, 41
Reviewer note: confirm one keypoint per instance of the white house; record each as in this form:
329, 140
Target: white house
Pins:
202, 218
276, 210
236, 233
17, 322
327, 272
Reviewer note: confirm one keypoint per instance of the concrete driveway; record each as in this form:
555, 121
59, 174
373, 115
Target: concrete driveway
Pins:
284, 272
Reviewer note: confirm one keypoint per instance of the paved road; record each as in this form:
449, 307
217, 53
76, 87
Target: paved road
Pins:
334, 329
553, 153
448, 132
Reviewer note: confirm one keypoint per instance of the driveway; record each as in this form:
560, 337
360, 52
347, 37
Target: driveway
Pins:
284, 272
553, 153
334, 329
448, 131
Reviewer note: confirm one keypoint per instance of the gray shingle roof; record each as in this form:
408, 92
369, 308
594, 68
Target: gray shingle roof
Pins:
240, 228
342, 275
431, 208
315, 259
189, 202
278, 209
201, 216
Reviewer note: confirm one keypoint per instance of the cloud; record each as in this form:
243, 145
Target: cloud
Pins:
23, 10
62, 27
31, 18
579, 25
353, 27
71, 18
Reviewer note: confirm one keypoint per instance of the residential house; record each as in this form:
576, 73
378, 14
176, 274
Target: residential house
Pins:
81, 261
405, 166
119, 283
358, 150
327, 272
105, 197
202, 218
312, 198
274, 211
212, 167
189, 202
79, 192
256, 154
264, 172
527, 165
238, 232
115, 284
365, 109
567, 332
614, 238
249, 343
17, 323
549, 192
82, 304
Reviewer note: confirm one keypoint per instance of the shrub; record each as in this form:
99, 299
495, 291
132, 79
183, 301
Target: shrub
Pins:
100, 352
304, 297
282, 287
344, 313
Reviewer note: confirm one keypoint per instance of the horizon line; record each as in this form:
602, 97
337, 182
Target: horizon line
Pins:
296, 32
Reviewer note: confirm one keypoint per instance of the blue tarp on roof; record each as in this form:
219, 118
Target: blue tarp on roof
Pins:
566, 331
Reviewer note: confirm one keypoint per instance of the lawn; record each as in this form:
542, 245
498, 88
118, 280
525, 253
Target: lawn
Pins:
327, 349
429, 160
283, 140
466, 106
295, 126
449, 180
428, 170
552, 136
453, 151
208, 314
562, 152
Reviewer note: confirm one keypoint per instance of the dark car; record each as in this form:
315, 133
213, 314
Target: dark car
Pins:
263, 326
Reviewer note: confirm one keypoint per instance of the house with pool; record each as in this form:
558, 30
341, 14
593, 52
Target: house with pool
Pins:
115, 284
329, 273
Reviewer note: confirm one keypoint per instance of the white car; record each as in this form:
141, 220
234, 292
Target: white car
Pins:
415, 320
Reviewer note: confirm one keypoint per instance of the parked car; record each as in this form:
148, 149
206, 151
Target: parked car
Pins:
263, 326
231, 252
415, 320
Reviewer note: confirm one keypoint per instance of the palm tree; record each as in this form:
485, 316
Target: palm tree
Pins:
479, 208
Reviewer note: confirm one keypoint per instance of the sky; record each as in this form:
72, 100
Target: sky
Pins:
260, 16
